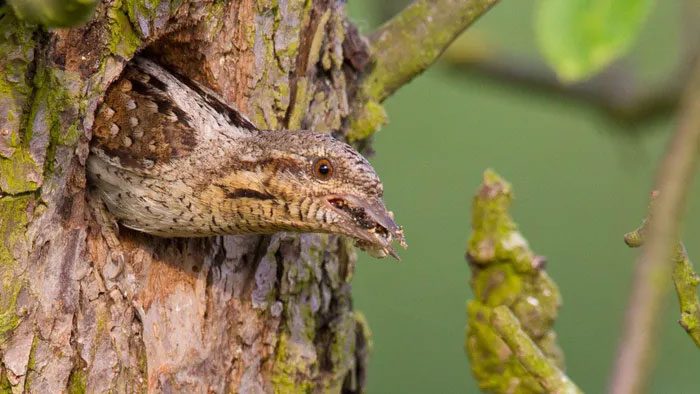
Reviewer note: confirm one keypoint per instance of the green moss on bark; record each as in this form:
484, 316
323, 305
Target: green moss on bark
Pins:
77, 383
505, 272
341, 351
13, 221
300, 352
31, 364
16, 51
141, 8
19, 173
34, 111
52, 100
123, 39
8, 316
286, 369
5, 386
366, 122
213, 20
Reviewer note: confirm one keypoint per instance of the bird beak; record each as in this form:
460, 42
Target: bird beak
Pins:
370, 223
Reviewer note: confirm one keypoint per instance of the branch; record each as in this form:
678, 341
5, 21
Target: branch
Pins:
403, 48
613, 92
552, 379
413, 39
652, 266
506, 273
685, 281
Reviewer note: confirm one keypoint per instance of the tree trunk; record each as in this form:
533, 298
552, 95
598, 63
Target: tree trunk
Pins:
80, 312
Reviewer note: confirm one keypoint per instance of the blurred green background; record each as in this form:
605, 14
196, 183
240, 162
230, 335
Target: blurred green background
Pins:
581, 182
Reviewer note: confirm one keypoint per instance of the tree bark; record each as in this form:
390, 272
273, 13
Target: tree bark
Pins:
84, 311
81, 312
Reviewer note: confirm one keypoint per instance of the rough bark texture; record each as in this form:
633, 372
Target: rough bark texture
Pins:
224, 314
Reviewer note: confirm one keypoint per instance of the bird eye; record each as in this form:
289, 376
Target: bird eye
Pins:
323, 169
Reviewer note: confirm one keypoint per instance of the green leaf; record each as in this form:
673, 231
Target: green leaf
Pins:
54, 13
580, 37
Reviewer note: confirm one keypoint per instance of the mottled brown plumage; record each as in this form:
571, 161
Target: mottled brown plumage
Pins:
170, 158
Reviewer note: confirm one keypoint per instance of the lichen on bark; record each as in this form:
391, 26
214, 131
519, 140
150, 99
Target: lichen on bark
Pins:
505, 272
19, 173
14, 211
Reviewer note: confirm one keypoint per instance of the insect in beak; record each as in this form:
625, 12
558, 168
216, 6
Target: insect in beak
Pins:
369, 222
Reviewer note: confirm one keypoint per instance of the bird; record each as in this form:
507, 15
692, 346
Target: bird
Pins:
169, 157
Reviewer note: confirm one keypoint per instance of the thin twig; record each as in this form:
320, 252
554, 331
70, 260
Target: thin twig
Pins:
613, 92
403, 48
652, 267
508, 328
685, 280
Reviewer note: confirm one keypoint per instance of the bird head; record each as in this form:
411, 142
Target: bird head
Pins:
308, 181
